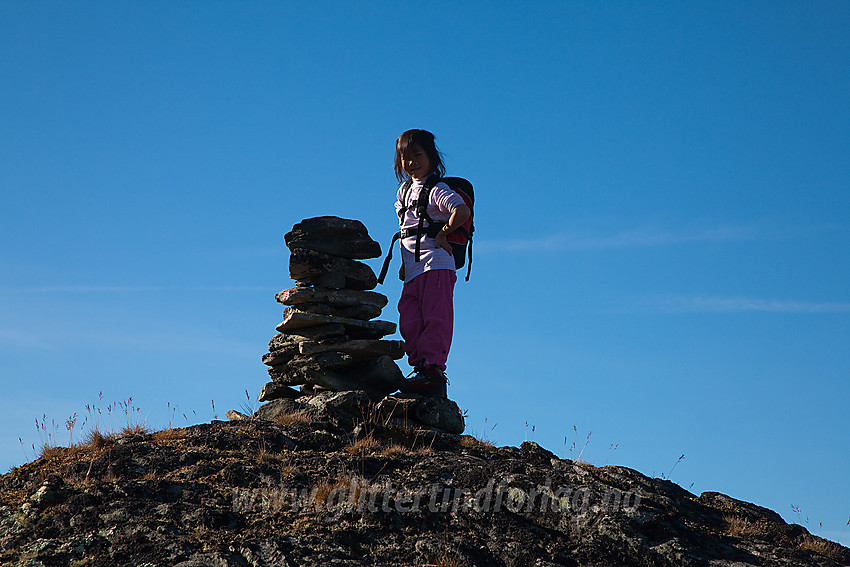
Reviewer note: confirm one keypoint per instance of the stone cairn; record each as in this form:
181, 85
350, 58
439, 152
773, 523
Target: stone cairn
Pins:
328, 340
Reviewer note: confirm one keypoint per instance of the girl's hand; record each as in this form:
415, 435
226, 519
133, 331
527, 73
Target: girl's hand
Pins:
442, 242
459, 216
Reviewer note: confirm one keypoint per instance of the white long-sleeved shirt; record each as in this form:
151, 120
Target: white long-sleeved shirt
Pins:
441, 202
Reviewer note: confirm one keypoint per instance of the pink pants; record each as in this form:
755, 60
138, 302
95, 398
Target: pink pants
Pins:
426, 317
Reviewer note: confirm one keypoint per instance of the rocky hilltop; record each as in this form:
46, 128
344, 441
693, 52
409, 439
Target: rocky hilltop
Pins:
334, 469
338, 483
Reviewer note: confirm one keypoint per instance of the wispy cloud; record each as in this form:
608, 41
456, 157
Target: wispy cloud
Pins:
640, 237
189, 342
128, 289
20, 339
703, 304
255, 251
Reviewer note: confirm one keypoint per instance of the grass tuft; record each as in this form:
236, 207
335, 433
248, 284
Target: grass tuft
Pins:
163, 436
366, 444
739, 526
134, 429
471, 442
265, 456
395, 450
344, 485
96, 440
300, 417
50, 452
824, 547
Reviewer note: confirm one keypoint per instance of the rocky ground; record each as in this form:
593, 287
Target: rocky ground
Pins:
321, 486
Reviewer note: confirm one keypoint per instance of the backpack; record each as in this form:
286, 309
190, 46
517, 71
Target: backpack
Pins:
460, 239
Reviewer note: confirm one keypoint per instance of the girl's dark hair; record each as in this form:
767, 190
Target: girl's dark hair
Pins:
423, 139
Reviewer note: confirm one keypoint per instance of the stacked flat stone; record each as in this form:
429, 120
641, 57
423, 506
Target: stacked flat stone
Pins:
328, 339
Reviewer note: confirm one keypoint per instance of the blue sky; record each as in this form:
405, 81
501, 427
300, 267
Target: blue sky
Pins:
662, 215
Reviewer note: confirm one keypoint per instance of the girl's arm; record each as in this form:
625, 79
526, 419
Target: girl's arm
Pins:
459, 215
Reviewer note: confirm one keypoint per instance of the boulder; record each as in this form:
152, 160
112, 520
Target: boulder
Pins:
331, 280
321, 360
381, 372
331, 380
357, 348
363, 312
436, 412
318, 308
274, 391
366, 333
311, 389
272, 410
441, 413
335, 297
304, 264
287, 376
333, 235
320, 333
399, 406
281, 356
234, 415
354, 402
48, 494
294, 319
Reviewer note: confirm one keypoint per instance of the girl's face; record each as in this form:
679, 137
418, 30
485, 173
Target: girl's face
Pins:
415, 162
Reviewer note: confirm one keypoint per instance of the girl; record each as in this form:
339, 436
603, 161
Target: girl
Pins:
425, 309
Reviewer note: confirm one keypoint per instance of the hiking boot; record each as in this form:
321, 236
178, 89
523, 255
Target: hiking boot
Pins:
431, 382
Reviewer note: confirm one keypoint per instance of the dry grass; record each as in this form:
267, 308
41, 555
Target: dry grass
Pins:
444, 559
94, 442
824, 547
134, 429
165, 435
322, 490
300, 417
344, 485
50, 452
97, 440
287, 469
201, 533
741, 527
395, 450
264, 456
366, 444
471, 442
150, 475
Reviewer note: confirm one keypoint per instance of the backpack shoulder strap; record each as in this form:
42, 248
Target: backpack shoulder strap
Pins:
425, 197
422, 212
405, 191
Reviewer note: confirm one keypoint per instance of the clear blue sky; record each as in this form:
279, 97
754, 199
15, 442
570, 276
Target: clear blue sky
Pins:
662, 216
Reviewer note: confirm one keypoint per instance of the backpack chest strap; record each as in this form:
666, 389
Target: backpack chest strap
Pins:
420, 206
431, 230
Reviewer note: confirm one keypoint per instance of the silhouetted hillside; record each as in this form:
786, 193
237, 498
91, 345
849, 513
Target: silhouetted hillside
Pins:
339, 483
